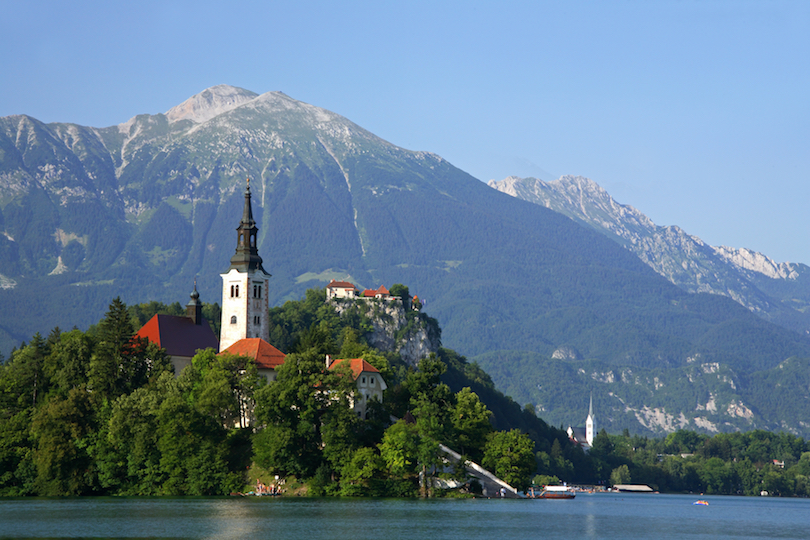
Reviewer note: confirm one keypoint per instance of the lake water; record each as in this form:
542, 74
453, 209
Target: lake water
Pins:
605, 516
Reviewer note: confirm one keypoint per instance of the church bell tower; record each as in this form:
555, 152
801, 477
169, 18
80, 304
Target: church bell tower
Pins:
244, 286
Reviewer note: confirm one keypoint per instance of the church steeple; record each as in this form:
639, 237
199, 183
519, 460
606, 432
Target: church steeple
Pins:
244, 286
246, 257
590, 424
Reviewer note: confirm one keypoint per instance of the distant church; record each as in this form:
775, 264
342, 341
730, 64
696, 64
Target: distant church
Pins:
584, 437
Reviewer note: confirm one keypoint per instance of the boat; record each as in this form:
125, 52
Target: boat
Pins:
555, 492
701, 502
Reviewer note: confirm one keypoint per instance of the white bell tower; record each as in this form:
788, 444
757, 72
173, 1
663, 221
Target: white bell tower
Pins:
244, 287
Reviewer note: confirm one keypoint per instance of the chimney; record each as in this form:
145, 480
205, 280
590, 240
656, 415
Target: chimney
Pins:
328, 360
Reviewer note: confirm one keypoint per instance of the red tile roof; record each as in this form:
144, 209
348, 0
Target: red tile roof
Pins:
265, 355
340, 285
357, 365
179, 335
371, 293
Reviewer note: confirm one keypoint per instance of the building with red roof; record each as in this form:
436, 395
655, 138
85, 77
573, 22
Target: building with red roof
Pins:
367, 378
341, 289
266, 357
382, 292
182, 337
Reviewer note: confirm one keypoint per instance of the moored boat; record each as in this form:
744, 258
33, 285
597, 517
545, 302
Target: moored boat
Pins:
556, 492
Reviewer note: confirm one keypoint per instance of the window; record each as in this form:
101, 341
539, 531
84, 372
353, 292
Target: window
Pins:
364, 380
237, 291
231, 291
257, 320
372, 380
257, 290
233, 319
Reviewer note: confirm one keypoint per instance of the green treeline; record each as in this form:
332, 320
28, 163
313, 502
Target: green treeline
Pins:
725, 464
99, 413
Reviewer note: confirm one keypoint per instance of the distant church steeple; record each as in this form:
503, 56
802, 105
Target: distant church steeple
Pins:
590, 424
244, 286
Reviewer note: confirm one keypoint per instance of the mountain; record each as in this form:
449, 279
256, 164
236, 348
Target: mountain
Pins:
551, 308
778, 292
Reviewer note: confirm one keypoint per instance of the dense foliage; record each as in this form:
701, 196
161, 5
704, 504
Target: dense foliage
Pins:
98, 412
726, 464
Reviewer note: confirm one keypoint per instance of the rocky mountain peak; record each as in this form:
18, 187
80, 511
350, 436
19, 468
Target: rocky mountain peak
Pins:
209, 103
683, 259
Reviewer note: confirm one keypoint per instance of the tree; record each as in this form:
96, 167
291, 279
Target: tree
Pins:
471, 424
620, 475
62, 463
304, 407
224, 386
68, 363
400, 448
510, 455
401, 291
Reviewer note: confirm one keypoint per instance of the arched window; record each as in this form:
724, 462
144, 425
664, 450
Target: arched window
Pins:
237, 291
233, 319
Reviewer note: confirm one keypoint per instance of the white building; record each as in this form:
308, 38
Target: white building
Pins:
341, 289
367, 378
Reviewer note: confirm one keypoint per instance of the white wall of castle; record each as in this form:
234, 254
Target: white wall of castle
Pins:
245, 312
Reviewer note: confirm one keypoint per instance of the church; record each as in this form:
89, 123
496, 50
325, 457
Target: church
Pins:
584, 437
245, 328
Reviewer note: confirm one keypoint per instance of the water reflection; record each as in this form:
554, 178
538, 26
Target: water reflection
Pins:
587, 516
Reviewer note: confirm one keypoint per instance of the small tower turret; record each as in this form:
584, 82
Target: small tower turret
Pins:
194, 306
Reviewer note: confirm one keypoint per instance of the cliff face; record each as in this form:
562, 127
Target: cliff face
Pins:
411, 334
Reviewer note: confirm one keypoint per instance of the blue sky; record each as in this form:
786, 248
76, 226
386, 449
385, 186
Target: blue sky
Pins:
696, 113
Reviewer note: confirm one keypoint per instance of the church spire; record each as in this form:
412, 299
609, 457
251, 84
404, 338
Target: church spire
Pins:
194, 306
247, 257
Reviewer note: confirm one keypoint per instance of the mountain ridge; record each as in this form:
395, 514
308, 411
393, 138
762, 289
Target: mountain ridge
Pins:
141, 209
683, 259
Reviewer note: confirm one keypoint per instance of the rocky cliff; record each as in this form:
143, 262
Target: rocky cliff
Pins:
411, 334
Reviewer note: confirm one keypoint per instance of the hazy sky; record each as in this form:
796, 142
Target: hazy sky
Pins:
696, 113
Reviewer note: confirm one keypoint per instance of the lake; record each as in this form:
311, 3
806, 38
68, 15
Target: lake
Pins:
605, 516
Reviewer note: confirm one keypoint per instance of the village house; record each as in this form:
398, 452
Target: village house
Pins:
367, 378
344, 289
341, 289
